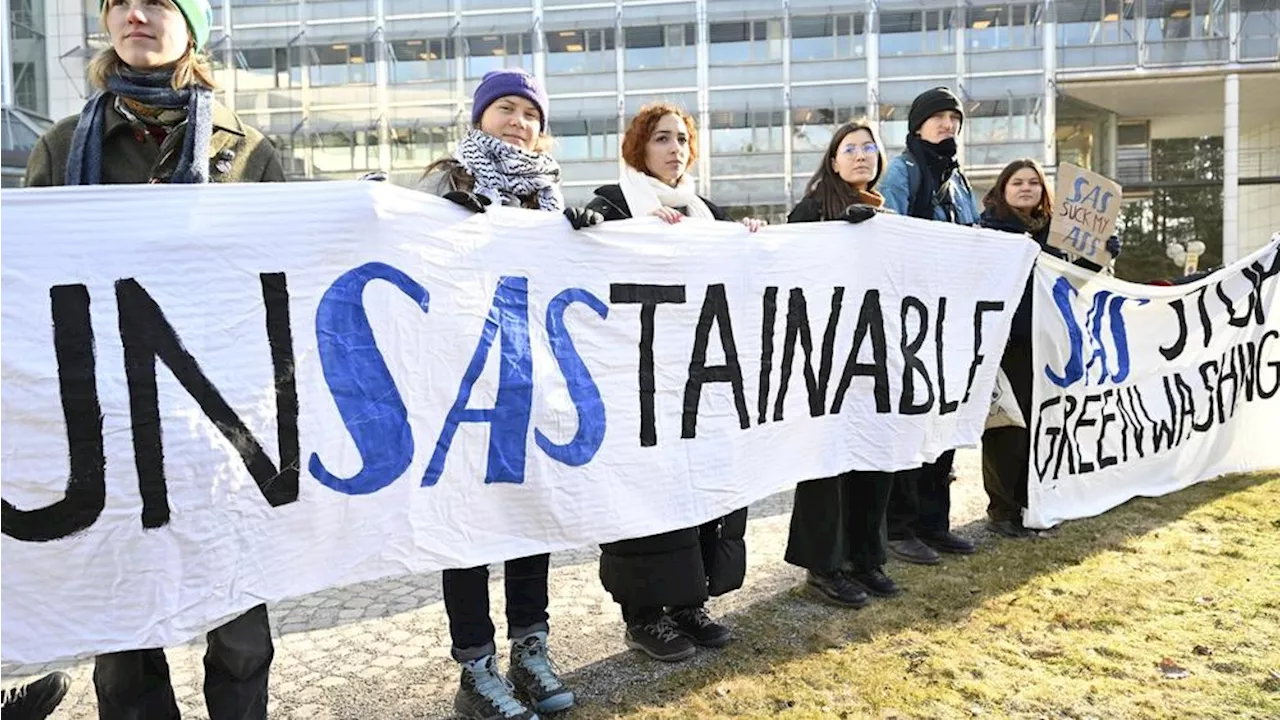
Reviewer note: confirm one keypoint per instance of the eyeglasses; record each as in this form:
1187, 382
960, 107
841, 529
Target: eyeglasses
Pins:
865, 149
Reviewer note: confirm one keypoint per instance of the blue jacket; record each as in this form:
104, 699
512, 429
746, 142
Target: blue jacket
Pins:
904, 175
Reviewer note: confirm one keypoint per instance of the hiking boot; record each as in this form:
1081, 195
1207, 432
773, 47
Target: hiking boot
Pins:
483, 694
660, 640
914, 551
533, 674
949, 542
875, 582
1009, 528
695, 624
36, 699
836, 588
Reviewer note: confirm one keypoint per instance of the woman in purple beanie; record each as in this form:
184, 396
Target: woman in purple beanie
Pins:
503, 160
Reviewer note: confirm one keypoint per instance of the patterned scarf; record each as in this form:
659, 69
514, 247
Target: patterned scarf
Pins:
505, 173
152, 89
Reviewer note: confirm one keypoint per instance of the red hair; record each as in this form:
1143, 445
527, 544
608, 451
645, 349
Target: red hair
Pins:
641, 129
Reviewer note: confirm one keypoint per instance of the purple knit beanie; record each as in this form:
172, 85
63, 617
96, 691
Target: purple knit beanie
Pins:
509, 81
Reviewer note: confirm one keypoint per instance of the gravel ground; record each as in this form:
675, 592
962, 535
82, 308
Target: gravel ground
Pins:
381, 650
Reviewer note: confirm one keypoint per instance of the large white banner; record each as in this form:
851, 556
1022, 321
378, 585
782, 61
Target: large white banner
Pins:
219, 396
1143, 390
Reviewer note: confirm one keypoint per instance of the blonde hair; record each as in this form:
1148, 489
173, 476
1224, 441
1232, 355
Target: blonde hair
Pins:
192, 68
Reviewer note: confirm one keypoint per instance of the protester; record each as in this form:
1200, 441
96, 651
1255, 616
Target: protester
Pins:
154, 117
659, 148
504, 160
154, 120
35, 700
837, 522
1020, 202
663, 581
926, 182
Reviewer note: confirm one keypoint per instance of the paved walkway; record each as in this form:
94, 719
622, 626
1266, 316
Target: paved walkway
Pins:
381, 650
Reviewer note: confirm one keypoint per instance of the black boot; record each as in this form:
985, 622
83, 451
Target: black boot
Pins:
1009, 528
695, 624
836, 588
875, 582
914, 551
949, 542
660, 640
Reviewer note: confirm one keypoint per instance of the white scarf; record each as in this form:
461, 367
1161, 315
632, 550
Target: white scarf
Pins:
645, 193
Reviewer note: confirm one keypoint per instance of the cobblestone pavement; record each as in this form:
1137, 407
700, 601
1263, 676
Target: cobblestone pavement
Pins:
381, 650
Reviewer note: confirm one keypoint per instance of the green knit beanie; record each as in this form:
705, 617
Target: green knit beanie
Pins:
199, 17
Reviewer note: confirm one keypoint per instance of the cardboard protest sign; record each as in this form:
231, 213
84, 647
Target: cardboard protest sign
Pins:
1141, 390
1086, 206
266, 390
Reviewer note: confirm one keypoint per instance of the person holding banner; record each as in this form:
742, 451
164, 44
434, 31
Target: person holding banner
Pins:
663, 581
504, 160
1020, 202
837, 523
926, 182
153, 119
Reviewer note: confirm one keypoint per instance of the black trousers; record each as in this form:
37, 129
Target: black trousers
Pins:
921, 500
1007, 450
838, 523
134, 684
466, 600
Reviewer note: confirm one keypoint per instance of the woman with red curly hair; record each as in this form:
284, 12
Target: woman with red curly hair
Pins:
660, 146
663, 581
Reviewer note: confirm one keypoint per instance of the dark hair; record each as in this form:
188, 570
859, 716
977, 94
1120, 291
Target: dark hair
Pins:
641, 129
831, 190
994, 199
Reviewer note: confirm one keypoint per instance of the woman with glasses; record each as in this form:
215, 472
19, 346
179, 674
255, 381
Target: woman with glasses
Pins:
837, 524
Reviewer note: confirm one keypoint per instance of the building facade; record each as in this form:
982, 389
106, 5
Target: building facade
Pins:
344, 87
24, 85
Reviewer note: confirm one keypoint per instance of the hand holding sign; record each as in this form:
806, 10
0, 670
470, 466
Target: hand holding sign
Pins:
1084, 214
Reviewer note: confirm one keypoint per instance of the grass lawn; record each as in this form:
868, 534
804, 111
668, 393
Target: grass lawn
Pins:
1162, 608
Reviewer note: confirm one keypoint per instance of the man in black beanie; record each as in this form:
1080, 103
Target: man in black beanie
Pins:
926, 182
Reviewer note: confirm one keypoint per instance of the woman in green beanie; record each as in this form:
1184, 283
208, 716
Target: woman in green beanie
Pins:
153, 118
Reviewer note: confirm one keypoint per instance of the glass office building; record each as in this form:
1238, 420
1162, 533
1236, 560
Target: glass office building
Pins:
24, 85
343, 87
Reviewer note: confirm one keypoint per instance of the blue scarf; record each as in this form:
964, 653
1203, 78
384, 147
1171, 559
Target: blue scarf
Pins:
84, 164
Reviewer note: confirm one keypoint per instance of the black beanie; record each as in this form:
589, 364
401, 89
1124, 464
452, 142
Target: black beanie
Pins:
930, 103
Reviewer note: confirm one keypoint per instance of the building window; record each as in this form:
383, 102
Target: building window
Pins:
740, 42
421, 60
1260, 29
660, 46
746, 132
812, 128
1184, 19
340, 64
1004, 27
268, 69
1005, 120
828, 37
418, 147
917, 32
492, 52
585, 139
1095, 22
570, 51
338, 151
